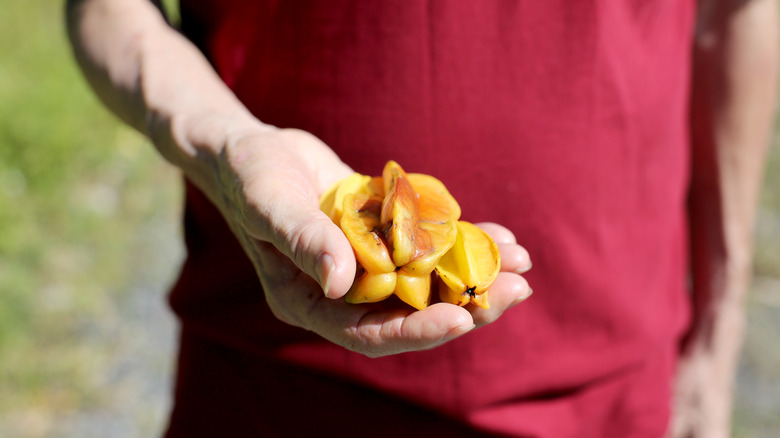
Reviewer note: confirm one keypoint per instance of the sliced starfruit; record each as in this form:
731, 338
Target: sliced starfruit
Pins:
401, 226
469, 268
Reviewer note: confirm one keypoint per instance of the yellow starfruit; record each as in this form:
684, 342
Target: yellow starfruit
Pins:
400, 227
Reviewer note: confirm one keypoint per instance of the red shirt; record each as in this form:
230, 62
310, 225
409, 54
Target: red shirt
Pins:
565, 121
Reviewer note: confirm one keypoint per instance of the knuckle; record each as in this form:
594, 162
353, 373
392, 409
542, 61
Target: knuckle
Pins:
302, 239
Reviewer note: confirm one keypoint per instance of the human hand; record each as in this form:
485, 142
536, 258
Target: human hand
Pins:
383, 328
267, 186
702, 397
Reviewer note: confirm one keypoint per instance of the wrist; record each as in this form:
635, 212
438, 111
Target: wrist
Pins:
195, 142
188, 112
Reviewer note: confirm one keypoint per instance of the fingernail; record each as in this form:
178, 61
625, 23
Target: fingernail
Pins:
457, 332
524, 297
325, 268
525, 268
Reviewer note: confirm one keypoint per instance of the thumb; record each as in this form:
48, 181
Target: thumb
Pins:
316, 245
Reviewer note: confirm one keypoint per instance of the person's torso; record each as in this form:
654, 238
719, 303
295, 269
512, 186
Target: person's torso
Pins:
563, 120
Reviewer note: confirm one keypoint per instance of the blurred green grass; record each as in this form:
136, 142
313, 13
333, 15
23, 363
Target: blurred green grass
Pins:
78, 192
88, 224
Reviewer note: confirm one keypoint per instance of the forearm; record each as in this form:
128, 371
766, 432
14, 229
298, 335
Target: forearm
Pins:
735, 74
154, 79
734, 98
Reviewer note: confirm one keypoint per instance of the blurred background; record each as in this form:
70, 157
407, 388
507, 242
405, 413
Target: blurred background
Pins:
90, 242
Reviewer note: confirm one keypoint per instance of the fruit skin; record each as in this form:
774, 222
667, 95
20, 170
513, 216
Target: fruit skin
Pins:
400, 227
469, 268
332, 201
360, 221
372, 288
400, 217
414, 290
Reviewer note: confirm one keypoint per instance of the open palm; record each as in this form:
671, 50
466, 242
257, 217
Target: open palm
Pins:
270, 182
